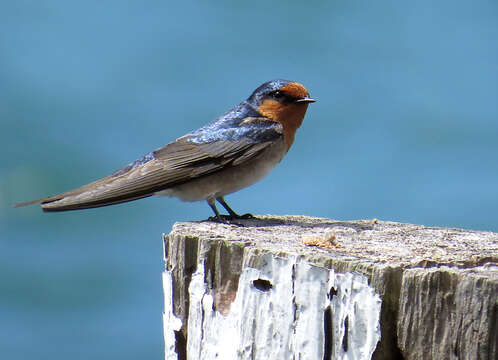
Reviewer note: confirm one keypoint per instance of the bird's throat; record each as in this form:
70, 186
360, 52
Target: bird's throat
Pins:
289, 115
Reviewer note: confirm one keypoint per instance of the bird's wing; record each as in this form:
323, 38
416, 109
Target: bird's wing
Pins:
176, 163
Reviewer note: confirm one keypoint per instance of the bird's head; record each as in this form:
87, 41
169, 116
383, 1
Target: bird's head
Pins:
281, 92
283, 101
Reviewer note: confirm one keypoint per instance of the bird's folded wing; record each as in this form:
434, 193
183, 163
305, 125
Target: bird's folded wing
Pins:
174, 164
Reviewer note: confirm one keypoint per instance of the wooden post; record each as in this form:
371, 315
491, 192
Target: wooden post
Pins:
296, 287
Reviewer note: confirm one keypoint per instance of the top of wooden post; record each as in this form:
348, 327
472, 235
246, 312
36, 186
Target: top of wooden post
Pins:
320, 240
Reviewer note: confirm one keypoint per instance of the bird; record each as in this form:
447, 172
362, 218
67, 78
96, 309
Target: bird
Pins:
228, 154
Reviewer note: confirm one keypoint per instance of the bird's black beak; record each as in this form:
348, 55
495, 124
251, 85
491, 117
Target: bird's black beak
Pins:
305, 100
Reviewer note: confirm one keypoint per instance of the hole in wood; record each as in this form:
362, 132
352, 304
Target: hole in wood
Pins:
345, 338
262, 285
180, 345
327, 330
332, 292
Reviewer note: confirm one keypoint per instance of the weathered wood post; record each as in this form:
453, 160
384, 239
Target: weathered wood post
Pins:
297, 287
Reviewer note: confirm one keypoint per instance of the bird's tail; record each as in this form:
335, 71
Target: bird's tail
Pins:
107, 191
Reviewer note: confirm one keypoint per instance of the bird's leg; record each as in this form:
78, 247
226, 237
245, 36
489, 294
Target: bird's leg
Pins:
232, 213
217, 217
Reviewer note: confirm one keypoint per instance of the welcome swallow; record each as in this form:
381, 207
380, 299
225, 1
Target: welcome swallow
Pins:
234, 151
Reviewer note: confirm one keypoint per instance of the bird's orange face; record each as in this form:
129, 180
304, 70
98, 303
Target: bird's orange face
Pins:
287, 105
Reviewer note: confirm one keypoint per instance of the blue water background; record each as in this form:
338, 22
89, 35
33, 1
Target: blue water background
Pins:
405, 129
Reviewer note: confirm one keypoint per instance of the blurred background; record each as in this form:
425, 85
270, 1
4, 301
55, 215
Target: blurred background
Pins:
405, 129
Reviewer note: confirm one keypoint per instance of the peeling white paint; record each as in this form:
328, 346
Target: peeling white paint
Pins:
360, 304
310, 292
171, 323
284, 322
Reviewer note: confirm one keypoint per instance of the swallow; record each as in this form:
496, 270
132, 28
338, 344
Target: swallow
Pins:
230, 153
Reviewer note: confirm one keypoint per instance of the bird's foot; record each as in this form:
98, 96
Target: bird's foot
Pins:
230, 219
244, 217
222, 219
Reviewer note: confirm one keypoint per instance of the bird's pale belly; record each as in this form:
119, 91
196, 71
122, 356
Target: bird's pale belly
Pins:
229, 180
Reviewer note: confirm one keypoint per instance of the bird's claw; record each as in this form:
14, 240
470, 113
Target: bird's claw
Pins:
245, 216
222, 219
229, 219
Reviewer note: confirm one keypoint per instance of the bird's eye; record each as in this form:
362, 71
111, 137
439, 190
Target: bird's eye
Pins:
277, 94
